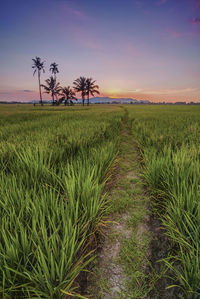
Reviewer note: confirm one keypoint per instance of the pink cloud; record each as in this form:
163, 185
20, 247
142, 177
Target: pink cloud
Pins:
172, 34
90, 43
75, 24
133, 50
176, 34
74, 12
139, 3
195, 21
84, 37
20, 95
147, 12
196, 3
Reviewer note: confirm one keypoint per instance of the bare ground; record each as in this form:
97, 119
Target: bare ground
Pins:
127, 263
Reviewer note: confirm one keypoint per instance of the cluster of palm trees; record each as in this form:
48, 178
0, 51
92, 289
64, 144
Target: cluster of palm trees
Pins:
82, 85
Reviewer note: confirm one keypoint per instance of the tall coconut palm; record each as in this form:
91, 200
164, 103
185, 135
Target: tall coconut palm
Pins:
52, 88
69, 94
38, 66
91, 88
54, 69
80, 86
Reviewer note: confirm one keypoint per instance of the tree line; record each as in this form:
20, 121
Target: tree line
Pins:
84, 86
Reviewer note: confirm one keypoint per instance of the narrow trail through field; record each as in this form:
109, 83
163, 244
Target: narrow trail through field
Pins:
121, 265
133, 239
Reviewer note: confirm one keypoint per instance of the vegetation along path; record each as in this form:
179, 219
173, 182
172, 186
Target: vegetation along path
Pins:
133, 241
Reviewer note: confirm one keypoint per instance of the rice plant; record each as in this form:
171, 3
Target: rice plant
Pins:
168, 137
52, 174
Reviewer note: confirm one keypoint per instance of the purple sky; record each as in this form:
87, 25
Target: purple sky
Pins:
144, 49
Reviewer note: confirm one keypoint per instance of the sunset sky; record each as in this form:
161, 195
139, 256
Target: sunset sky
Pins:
142, 49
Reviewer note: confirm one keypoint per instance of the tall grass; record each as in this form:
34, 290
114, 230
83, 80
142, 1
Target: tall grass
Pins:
52, 173
168, 138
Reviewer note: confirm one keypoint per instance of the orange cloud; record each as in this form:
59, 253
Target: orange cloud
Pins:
167, 95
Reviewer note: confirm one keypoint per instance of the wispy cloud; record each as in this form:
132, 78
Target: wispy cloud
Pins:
196, 3
155, 95
84, 37
79, 25
135, 90
176, 34
172, 34
27, 90
3, 92
195, 21
139, 3
161, 2
74, 11
172, 91
19, 95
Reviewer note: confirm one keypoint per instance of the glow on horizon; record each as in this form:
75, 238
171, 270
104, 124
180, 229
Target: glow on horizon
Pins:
186, 95
140, 50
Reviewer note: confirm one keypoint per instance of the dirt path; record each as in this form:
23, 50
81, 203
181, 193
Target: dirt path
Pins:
132, 239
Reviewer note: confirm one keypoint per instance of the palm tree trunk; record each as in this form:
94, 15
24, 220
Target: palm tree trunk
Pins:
88, 100
40, 88
83, 99
53, 98
56, 94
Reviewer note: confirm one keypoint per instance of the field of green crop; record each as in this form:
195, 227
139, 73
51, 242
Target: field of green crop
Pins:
169, 139
54, 162
53, 165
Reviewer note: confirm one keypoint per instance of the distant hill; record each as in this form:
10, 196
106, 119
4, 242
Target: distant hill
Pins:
93, 100
115, 100
105, 100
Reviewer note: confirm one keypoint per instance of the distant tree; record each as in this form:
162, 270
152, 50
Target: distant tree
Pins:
52, 88
69, 95
54, 69
91, 88
80, 86
60, 100
38, 66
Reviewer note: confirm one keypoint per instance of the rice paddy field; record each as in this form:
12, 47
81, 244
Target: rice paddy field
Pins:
54, 163
169, 141
53, 169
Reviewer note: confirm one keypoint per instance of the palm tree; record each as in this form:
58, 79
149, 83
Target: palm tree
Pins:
80, 86
38, 66
54, 69
69, 94
52, 88
91, 88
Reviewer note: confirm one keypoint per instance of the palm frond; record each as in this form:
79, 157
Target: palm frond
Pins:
54, 68
38, 64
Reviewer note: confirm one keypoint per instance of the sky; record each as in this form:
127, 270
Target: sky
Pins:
140, 49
